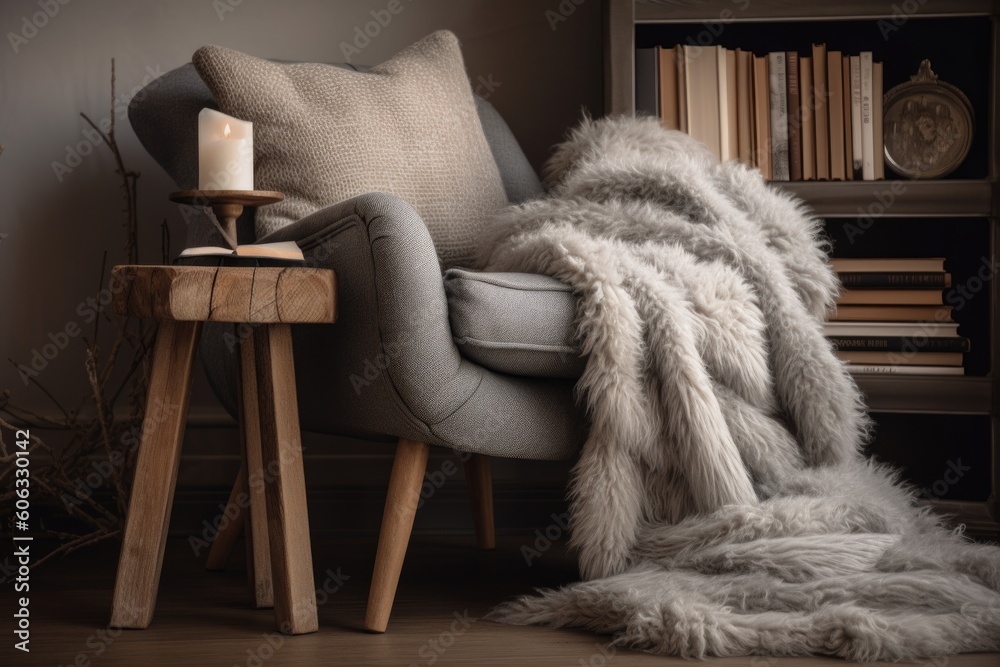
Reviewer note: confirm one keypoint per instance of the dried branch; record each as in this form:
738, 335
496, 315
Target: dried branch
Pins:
62, 475
78, 543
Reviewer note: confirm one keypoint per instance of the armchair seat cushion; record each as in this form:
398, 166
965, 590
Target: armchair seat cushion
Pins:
514, 323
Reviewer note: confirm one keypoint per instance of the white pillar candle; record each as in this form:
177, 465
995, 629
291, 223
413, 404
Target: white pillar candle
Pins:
225, 152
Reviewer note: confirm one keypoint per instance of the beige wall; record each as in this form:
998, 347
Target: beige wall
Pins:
54, 227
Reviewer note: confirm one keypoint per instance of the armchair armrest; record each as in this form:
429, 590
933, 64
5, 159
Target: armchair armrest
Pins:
393, 301
389, 366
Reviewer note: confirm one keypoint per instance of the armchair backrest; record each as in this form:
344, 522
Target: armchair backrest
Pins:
164, 116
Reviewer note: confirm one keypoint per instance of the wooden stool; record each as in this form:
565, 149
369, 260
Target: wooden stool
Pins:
180, 298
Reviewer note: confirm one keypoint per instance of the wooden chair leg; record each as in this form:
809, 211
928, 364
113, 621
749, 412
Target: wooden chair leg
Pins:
155, 475
257, 543
287, 517
480, 482
397, 521
229, 531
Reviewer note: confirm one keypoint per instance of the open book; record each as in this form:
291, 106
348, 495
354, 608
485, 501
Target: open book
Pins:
287, 250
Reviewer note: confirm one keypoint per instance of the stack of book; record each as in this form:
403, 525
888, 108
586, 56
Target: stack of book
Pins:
795, 117
892, 318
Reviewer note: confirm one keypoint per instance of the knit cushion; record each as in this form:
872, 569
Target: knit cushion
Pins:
516, 323
323, 134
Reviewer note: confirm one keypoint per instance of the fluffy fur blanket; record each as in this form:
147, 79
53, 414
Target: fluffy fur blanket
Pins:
721, 505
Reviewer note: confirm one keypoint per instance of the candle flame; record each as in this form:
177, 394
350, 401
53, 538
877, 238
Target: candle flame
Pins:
226, 132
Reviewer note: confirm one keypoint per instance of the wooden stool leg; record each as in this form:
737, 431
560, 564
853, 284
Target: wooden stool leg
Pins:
397, 521
480, 482
229, 531
257, 544
155, 475
287, 517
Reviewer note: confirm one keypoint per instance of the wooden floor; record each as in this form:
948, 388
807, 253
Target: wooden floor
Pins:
203, 618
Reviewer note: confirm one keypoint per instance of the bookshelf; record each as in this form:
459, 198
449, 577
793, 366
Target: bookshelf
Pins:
952, 198
960, 212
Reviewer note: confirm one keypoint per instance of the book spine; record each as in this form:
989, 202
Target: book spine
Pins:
723, 82
878, 142
874, 369
900, 358
898, 344
821, 97
856, 148
864, 313
897, 265
867, 110
908, 330
892, 297
703, 95
794, 117
762, 119
848, 125
680, 57
667, 81
835, 112
808, 119
890, 280
744, 106
646, 82
778, 91
732, 113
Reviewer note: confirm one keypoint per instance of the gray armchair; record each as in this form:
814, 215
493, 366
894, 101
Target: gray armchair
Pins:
482, 363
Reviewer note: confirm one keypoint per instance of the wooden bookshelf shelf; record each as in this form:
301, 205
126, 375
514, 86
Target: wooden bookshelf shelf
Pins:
974, 516
894, 198
915, 393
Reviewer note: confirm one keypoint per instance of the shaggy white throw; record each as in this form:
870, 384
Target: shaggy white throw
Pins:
721, 505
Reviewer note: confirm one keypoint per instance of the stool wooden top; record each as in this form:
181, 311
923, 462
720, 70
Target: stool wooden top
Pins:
273, 295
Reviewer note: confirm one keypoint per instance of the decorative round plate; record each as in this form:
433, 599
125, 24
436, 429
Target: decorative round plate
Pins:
927, 126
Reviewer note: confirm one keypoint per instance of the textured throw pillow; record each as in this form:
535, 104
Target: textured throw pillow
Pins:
323, 134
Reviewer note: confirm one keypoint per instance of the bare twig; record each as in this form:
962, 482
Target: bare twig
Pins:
59, 476
78, 543
31, 378
98, 404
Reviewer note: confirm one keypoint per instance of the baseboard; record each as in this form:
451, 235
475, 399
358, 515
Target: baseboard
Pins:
446, 510
209, 416
357, 510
